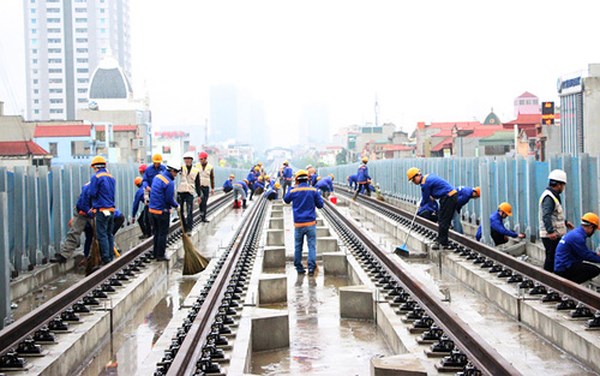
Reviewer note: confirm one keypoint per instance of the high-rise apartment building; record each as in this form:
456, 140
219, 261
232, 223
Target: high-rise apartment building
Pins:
64, 42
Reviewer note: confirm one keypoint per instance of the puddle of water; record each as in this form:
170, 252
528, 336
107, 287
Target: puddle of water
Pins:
320, 342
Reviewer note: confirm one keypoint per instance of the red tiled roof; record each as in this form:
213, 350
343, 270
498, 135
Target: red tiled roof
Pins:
119, 128
527, 95
395, 147
524, 119
445, 142
62, 131
21, 148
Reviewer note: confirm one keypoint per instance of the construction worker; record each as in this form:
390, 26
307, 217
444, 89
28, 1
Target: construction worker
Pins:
188, 184
268, 183
464, 195
325, 185
304, 199
82, 215
142, 219
500, 234
572, 251
352, 181
273, 193
151, 171
429, 210
162, 199
89, 234
363, 179
259, 186
240, 189
102, 194
207, 183
228, 184
312, 175
252, 177
552, 223
287, 176
433, 186
142, 169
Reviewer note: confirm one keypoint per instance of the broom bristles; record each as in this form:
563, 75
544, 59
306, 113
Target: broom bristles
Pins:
193, 261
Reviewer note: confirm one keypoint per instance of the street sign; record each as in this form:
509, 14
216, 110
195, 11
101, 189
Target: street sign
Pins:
548, 113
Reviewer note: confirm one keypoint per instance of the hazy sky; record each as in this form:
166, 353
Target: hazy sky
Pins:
424, 60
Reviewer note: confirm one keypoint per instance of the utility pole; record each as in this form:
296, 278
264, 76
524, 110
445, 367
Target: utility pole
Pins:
205, 131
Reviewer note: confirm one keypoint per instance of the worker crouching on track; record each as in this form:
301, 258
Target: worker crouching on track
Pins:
433, 186
572, 251
143, 220
273, 193
325, 185
240, 189
188, 184
102, 194
162, 199
305, 199
500, 234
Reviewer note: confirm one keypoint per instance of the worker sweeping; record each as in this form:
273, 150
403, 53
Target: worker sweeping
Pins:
162, 199
189, 184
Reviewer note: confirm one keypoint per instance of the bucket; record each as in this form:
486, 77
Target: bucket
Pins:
333, 200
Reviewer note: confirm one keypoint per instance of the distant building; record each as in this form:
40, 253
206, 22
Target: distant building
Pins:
314, 124
64, 43
526, 104
580, 111
171, 145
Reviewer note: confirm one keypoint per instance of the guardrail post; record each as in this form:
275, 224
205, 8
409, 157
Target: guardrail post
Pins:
5, 312
44, 211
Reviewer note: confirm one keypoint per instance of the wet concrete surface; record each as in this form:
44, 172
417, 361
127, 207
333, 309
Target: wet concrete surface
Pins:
320, 342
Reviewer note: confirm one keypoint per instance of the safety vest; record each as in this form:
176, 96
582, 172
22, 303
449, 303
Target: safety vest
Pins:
204, 174
558, 216
187, 180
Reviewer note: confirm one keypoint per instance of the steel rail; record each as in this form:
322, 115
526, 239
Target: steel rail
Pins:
184, 362
484, 356
14, 333
557, 283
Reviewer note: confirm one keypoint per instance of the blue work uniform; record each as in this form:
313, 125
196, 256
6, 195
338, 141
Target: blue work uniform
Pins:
325, 184
352, 181
150, 173
305, 199
497, 230
429, 210
438, 188
464, 194
162, 199
313, 179
271, 194
571, 253
102, 193
228, 185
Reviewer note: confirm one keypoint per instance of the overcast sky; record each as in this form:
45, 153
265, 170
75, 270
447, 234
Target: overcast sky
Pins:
424, 60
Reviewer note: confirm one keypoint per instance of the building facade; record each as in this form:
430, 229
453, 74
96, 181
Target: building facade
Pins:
64, 43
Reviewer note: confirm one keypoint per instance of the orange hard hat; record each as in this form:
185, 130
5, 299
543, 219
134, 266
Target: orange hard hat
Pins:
137, 181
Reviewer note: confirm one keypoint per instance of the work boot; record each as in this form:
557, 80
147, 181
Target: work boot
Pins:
58, 259
244, 204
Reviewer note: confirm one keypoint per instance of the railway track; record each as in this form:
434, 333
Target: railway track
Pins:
27, 336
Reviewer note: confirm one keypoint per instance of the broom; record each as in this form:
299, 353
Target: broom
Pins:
94, 260
193, 261
378, 193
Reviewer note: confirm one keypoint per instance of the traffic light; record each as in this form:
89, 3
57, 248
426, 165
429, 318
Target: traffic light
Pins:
548, 113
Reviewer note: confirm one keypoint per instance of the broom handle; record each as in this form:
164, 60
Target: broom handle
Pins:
411, 225
180, 221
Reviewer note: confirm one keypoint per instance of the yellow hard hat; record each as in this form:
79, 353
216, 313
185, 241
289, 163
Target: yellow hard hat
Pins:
506, 208
231, 176
332, 177
260, 178
364, 159
301, 173
157, 158
286, 163
256, 168
277, 185
260, 164
412, 172
137, 181
590, 218
267, 177
98, 160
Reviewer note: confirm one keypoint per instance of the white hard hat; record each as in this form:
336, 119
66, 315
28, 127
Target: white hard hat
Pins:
188, 154
558, 175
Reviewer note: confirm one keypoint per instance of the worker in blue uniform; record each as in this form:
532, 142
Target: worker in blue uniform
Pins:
325, 185
268, 182
572, 251
464, 195
272, 193
429, 210
228, 184
352, 181
240, 189
259, 186
162, 199
500, 233
363, 179
305, 199
150, 172
287, 176
313, 176
82, 215
102, 193
252, 177
433, 186
143, 219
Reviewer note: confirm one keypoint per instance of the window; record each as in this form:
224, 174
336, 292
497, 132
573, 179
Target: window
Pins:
32, 10
33, 21
35, 71
56, 100
53, 10
55, 70
82, 80
102, 31
36, 112
82, 50
53, 20
81, 20
54, 40
36, 101
34, 61
34, 41
81, 40
80, 10
82, 90
54, 61
103, 50
82, 70
102, 10
56, 111
52, 1
34, 50
53, 146
33, 31
53, 30
54, 50
55, 91
82, 60
82, 100
166, 149
81, 30
35, 81
55, 80
36, 91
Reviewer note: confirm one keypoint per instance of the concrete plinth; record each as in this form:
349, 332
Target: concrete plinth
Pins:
277, 213
272, 289
327, 244
274, 257
270, 329
335, 263
320, 222
323, 231
276, 223
397, 365
275, 238
356, 302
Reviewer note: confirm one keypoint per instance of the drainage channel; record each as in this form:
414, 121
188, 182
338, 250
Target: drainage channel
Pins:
525, 316
64, 327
